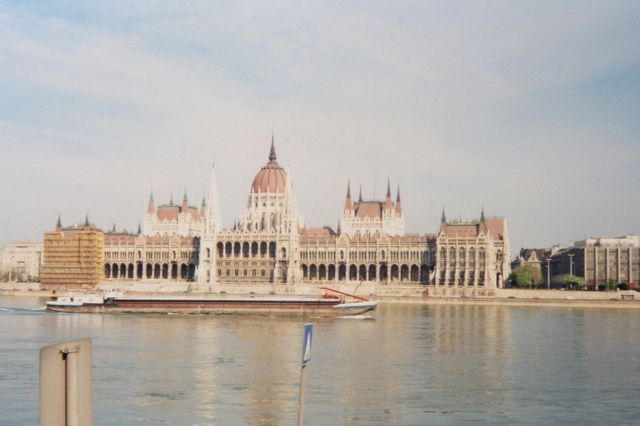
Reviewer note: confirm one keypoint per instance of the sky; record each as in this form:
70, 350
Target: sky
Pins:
528, 109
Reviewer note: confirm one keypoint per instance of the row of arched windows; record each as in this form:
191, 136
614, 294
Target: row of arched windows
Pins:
173, 271
364, 272
246, 249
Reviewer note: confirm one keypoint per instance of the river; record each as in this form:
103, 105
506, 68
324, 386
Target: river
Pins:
406, 364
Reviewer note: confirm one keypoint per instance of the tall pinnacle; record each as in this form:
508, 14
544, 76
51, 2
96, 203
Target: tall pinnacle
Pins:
387, 202
398, 205
348, 205
86, 220
59, 224
360, 195
443, 219
272, 152
483, 224
150, 206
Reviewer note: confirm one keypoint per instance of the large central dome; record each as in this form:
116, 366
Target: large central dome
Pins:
272, 177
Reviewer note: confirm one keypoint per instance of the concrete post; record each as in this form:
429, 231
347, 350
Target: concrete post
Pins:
65, 384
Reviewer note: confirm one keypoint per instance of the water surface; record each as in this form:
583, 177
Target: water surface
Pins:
405, 365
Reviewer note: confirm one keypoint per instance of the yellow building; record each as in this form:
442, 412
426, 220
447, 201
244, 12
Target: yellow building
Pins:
73, 257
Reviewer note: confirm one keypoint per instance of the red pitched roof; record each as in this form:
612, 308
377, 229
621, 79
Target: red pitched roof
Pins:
371, 209
495, 225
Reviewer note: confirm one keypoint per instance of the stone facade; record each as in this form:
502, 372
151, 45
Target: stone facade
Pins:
21, 261
140, 257
472, 254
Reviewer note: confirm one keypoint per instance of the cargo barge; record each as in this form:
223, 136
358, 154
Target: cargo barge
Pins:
332, 303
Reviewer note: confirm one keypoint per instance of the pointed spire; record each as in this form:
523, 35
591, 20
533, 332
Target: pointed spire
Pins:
387, 202
86, 220
360, 195
114, 227
398, 204
338, 230
59, 224
185, 203
272, 151
483, 224
443, 222
139, 229
151, 208
348, 205
211, 207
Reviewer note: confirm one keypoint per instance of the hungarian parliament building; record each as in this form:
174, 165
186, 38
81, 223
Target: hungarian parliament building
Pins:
269, 244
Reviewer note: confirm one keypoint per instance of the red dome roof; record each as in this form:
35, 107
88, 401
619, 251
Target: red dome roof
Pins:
272, 177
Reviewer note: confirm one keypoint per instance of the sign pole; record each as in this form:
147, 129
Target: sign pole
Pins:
301, 396
306, 358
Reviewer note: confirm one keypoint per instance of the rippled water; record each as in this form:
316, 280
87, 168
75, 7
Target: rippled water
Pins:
406, 365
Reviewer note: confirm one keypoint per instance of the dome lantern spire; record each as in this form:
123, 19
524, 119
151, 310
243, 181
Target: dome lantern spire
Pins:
272, 151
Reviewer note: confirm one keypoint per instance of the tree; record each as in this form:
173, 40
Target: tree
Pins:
573, 282
610, 284
525, 276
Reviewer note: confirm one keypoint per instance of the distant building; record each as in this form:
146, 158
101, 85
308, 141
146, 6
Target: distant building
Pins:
21, 261
599, 260
73, 257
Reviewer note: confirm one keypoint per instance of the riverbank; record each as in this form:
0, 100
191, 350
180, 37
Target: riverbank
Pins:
496, 301
414, 294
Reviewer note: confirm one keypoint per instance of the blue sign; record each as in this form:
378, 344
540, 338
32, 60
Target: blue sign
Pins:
306, 344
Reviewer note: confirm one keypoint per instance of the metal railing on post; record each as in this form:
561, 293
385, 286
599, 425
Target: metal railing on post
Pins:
65, 384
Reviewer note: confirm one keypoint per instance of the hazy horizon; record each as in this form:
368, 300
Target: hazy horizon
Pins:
528, 109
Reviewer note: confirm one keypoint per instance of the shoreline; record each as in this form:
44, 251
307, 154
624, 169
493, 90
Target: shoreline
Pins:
427, 301
497, 301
